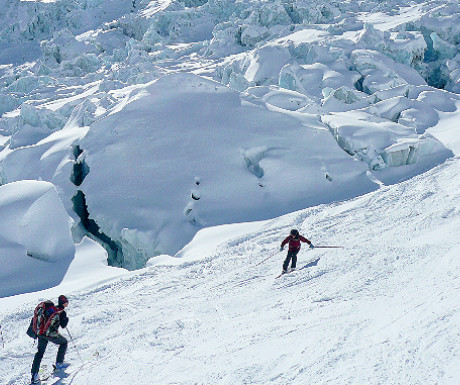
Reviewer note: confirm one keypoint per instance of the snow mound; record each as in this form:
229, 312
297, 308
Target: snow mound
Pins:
382, 143
184, 152
36, 246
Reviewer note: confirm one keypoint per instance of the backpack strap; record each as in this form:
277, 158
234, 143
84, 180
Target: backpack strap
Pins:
50, 319
34, 320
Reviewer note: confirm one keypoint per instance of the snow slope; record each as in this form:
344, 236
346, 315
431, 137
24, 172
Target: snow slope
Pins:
382, 310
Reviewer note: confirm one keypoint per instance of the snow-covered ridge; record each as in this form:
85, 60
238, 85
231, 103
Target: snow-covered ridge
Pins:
323, 101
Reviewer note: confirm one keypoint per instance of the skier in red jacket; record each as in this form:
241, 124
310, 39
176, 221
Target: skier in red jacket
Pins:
294, 240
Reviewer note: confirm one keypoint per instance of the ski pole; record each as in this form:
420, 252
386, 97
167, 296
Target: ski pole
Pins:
329, 247
1, 334
266, 259
73, 343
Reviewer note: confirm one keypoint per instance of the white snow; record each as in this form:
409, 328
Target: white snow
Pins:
36, 247
382, 310
447, 130
182, 140
245, 158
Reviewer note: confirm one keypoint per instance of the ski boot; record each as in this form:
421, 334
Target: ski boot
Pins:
35, 379
61, 366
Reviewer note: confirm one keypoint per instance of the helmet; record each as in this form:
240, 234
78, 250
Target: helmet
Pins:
294, 233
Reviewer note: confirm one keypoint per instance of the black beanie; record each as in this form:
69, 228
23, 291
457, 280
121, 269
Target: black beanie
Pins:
62, 300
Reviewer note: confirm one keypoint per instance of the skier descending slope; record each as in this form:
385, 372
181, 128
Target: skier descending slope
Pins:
294, 240
48, 331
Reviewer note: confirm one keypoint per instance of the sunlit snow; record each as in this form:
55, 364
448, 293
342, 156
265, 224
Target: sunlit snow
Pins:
154, 154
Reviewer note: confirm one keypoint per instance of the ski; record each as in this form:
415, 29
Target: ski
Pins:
285, 272
43, 379
45, 375
312, 263
61, 376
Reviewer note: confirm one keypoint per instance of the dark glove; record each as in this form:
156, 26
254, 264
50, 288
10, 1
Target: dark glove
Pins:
311, 246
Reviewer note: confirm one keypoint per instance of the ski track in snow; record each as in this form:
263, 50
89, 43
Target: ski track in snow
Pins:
383, 310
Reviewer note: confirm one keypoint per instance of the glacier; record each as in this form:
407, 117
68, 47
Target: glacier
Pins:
155, 153
375, 78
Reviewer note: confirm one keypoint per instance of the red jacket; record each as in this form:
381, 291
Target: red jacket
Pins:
294, 243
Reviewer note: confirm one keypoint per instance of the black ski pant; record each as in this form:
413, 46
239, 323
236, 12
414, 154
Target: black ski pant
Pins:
42, 344
291, 255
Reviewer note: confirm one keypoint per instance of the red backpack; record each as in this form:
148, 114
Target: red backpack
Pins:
44, 314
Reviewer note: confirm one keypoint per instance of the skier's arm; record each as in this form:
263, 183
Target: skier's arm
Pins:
285, 242
303, 239
63, 319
